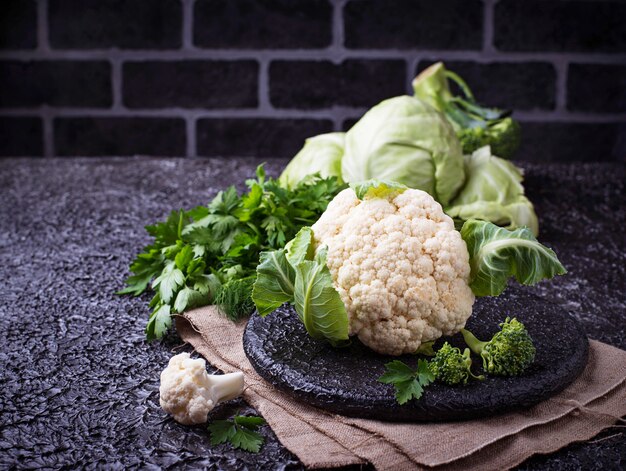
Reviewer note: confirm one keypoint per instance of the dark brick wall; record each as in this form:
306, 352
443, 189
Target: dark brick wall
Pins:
256, 77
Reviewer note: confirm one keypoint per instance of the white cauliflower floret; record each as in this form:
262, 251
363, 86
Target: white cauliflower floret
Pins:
188, 393
400, 267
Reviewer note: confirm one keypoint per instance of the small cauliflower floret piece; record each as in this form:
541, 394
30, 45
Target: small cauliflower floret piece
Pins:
400, 267
188, 393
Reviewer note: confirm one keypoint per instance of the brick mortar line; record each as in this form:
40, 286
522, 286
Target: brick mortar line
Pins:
245, 113
338, 33
264, 87
43, 46
336, 51
328, 54
116, 85
187, 26
561, 85
190, 137
48, 132
254, 113
488, 22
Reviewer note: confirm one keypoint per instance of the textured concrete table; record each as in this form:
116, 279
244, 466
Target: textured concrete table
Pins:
78, 383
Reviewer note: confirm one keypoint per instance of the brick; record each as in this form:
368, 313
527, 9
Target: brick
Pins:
191, 84
520, 86
580, 26
55, 83
596, 88
566, 142
21, 136
18, 24
119, 136
250, 24
322, 84
125, 24
406, 24
256, 137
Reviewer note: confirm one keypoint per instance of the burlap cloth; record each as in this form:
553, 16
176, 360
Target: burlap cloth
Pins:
322, 439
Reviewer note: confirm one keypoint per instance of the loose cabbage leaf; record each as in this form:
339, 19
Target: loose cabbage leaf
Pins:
276, 275
497, 254
377, 189
274, 283
300, 247
405, 140
493, 192
321, 154
295, 275
318, 303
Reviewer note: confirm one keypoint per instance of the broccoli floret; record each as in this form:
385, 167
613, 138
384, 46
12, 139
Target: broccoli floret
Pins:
508, 353
450, 366
504, 137
472, 139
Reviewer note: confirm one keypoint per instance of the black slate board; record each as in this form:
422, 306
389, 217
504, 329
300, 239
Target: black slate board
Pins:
344, 380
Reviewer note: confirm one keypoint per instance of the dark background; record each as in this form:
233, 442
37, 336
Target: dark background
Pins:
254, 78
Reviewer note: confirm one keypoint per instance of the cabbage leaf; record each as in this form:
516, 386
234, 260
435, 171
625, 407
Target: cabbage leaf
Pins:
320, 155
297, 275
407, 141
497, 254
274, 283
318, 303
377, 189
493, 192
300, 247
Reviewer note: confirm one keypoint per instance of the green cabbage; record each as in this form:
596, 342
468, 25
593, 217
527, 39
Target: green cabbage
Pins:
497, 254
407, 141
493, 192
320, 154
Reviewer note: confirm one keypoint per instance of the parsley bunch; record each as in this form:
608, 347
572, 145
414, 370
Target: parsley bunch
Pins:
209, 254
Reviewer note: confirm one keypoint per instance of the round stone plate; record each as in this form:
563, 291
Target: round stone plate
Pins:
343, 380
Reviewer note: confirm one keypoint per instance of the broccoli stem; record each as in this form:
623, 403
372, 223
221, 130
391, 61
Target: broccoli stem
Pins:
466, 354
477, 346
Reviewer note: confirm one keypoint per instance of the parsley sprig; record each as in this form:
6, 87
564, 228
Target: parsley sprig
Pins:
240, 431
209, 254
409, 383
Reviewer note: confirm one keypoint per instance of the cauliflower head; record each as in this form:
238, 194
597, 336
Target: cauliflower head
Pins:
400, 267
188, 393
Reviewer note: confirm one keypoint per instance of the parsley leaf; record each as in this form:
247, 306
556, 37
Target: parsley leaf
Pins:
222, 431
409, 384
241, 432
159, 322
187, 298
168, 282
